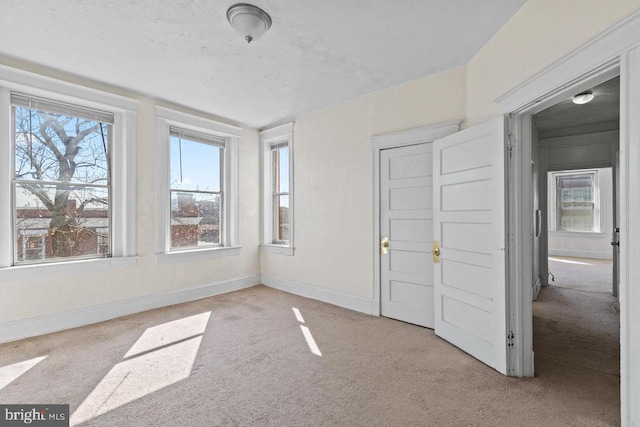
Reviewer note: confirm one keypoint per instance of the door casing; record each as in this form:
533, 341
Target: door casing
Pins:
616, 51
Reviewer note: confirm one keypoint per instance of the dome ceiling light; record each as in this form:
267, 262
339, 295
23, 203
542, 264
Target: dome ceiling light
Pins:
583, 97
249, 21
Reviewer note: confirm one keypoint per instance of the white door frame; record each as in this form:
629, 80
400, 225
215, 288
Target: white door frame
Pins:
615, 51
421, 135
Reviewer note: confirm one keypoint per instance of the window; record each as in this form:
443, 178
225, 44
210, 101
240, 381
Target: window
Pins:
67, 179
280, 177
197, 172
277, 185
62, 179
196, 189
576, 203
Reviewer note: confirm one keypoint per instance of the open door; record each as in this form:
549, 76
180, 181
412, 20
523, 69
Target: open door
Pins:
469, 241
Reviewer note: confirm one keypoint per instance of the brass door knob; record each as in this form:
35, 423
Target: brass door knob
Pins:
384, 246
436, 251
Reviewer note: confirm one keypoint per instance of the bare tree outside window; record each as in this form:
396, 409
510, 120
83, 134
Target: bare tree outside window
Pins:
61, 180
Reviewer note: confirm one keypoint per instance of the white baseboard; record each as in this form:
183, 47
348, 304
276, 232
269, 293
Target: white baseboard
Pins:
581, 254
40, 325
352, 302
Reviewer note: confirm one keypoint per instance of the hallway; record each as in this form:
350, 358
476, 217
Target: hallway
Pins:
577, 333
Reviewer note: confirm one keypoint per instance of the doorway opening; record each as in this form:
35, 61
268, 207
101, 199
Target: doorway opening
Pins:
576, 313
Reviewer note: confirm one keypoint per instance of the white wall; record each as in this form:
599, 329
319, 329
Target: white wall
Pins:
62, 292
333, 180
541, 32
334, 235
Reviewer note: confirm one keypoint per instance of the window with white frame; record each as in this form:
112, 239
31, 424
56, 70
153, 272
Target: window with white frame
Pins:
61, 178
196, 164
197, 172
68, 169
574, 201
277, 189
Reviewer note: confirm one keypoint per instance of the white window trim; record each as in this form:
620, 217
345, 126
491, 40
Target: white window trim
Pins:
166, 118
597, 225
123, 174
268, 138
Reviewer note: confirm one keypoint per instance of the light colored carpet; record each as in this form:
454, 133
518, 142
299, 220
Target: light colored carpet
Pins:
585, 274
241, 359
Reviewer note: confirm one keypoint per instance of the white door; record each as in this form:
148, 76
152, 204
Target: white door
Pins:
406, 219
469, 224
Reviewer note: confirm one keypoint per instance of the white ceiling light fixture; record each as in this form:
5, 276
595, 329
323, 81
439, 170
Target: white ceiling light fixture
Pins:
583, 97
249, 21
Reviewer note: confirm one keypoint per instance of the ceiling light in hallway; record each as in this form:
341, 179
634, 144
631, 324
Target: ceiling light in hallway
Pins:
583, 97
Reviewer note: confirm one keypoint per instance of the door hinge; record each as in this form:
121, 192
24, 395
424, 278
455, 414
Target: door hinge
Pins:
510, 338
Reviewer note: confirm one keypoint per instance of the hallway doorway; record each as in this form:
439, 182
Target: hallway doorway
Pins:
576, 324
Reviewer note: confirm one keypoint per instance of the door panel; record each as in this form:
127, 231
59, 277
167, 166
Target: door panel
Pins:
469, 223
406, 218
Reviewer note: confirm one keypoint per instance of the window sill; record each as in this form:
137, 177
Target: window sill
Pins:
277, 249
593, 235
196, 254
43, 271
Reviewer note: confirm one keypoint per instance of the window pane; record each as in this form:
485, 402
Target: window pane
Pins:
575, 207
195, 219
55, 147
281, 219
61, 221
281, 169
194, 165
576, 216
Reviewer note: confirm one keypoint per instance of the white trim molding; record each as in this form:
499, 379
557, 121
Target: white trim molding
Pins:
165, 119
46, 271
420, 135
351, 302
615, 51
414, 136
40, 325
282, 134
38, 85
123, 170
629, 196
592, 63
196, 254
197, 124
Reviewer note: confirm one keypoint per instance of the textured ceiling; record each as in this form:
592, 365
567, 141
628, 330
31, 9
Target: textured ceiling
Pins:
604, 108
316, 54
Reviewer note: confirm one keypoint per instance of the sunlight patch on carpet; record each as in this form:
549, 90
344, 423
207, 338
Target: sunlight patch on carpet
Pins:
170, 332
566, 261
310, 341
299, 317
10, 373
162, 356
